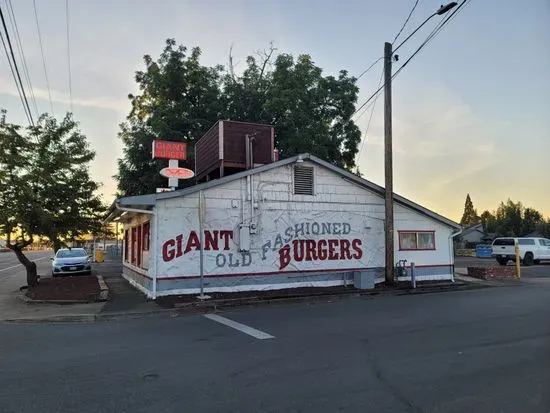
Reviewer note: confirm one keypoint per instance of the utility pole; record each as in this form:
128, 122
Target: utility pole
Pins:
388, 164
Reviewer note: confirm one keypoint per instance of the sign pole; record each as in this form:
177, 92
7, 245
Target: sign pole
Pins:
202, 296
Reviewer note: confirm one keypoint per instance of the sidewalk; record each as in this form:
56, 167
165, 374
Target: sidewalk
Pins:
125, 301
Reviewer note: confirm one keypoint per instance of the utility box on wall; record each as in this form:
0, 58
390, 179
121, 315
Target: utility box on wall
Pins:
222, 150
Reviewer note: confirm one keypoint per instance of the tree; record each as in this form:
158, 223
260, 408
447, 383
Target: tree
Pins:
180, 99
45, 186
544, 228
470, 216
486, 219
310, 112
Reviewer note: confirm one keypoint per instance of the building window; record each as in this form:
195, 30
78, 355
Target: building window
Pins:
126, 241
146, 229
139, 246
134, 245
303, 180
416, 240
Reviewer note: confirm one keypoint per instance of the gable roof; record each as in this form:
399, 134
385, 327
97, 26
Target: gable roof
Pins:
149, 200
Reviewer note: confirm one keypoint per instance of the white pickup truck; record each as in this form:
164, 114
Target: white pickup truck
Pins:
531, 250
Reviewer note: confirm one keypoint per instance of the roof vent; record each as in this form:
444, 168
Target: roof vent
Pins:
303, 180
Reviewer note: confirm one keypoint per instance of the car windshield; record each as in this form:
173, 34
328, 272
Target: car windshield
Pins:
71, 253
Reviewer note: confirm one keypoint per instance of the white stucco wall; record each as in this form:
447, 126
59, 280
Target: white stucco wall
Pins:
355, 216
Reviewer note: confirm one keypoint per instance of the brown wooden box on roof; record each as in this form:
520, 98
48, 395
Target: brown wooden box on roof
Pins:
221, 150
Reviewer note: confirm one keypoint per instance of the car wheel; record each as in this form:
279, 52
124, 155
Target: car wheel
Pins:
502, 261
528, 259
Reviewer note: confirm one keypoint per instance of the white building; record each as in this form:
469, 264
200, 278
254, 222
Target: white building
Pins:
292, 223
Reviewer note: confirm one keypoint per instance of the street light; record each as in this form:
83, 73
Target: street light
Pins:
388, 151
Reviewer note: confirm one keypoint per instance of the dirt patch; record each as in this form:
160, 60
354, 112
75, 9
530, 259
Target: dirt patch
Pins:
78, 288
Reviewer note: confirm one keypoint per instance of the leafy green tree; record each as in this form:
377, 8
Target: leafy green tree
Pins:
470, 216
180, 99
486, 219
45, 186
544, 228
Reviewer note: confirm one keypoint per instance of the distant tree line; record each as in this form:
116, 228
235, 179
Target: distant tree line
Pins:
510, 219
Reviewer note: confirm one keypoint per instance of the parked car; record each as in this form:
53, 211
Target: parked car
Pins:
71, 261
531, 250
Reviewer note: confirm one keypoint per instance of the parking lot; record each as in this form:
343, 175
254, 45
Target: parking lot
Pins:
481, 350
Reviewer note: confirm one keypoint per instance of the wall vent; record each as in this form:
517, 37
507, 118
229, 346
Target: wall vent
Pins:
303, 180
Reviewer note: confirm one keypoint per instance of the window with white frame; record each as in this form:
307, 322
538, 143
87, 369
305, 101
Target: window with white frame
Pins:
416, 240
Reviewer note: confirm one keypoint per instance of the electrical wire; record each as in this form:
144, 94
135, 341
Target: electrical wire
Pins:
15, 32
69, 54
406, 21
17, 75
434, 33
14, 76
370, 117
42, 53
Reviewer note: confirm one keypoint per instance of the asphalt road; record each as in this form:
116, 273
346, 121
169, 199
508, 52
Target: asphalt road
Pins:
10, 266
485, 350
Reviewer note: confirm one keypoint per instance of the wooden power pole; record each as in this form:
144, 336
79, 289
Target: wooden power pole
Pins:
388, 165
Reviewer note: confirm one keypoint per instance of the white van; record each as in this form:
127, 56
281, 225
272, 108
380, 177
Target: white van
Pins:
531, 250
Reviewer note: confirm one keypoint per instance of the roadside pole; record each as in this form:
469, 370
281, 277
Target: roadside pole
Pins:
202, 296
388, 165
518, 263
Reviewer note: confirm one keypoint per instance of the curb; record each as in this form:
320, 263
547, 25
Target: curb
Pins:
104, 289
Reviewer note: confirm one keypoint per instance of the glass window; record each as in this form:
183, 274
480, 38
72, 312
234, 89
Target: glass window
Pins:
74, 253
417, 240
526, 241
407, 241
426, 241
504, 241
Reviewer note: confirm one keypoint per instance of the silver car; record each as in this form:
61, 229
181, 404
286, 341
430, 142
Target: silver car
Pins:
71, 261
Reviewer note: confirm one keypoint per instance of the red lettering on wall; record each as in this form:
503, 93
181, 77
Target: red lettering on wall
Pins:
312, 250
192, 242
356, 245
168, 253
226, 236
284, 256
179, 240
345, 253
332, 245
211, 240
322, 249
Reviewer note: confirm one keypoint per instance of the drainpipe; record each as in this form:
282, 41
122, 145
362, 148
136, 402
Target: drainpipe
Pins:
451, 244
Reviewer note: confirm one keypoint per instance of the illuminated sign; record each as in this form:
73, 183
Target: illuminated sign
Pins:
177, 172
169, 150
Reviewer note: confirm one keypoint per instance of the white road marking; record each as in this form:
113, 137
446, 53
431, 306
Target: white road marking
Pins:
260, 335
19, 265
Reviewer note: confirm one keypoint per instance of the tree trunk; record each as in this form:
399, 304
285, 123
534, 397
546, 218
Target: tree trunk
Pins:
56, 245
30, 266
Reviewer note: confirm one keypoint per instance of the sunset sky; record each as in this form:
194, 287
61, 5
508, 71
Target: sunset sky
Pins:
471, 111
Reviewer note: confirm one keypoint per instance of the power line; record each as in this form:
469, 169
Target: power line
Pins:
69, 54
14, 76
370, 117
42, 53
434, 33
369, 68
406, 21
15, 31
18, 76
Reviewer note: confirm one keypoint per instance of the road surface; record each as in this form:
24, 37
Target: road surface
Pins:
485, 350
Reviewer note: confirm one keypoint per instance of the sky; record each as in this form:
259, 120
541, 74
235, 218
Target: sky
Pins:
470, 111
